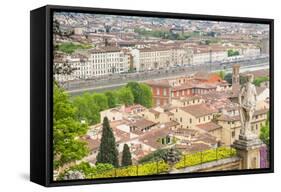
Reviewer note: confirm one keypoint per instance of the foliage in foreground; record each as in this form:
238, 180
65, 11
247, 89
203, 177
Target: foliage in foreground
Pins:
205, 156
107, 170
151, 168
65, 131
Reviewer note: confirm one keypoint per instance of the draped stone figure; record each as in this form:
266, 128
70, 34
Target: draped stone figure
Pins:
247, 101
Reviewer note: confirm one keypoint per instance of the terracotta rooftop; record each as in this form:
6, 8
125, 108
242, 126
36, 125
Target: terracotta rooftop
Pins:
151, 137
258, 73
93, 144
199, 110
158, 83
228, 118
154, 112
195, 147
142, 123
210, 126
237, 117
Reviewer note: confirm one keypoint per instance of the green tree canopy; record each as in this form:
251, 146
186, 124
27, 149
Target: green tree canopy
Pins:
231, 53
158, 155
228, 78
107, 150
111, 99
146, 95
221, 74
87, 108
126, 156
65, 131
259, 80
100, 100
142, 93
125, 96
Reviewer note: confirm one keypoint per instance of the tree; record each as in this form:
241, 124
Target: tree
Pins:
87, 108
264, 134
126, 156
231, 53
228, 78
146, 97
100, 100
158, 155
107, 150
141, 92
66, 129
111, 99
125, 96
221, 74
136, 90
259, 80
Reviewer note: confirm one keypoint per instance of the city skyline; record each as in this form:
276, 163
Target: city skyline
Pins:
149, 96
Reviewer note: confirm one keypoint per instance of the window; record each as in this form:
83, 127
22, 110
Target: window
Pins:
199, 120
190, 120
233, 134
181, 119
164, 92
157, 91
168, 140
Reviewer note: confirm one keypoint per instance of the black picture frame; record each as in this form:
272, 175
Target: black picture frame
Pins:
41, 83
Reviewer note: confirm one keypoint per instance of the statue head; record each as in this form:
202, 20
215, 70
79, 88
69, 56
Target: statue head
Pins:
250, 78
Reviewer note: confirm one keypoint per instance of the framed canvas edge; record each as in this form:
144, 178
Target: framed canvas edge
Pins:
49, 85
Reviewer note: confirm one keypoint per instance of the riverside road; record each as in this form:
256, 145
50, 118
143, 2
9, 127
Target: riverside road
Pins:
116, 80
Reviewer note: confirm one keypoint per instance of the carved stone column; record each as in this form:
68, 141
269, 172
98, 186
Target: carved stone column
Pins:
248, 149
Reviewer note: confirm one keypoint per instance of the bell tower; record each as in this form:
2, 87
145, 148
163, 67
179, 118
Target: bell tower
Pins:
235, 77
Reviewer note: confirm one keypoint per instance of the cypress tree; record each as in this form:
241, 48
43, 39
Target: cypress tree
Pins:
126, 156
108, 152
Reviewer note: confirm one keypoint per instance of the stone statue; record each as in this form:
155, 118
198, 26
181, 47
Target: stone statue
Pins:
247, 100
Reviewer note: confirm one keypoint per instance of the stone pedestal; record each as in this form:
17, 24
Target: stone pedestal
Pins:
248, 149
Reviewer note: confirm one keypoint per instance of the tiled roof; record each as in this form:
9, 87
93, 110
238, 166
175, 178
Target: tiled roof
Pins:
210, 126
158, 83
199, 110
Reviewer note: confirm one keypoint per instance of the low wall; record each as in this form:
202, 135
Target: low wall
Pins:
232, 163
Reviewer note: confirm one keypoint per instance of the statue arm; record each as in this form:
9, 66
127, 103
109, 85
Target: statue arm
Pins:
255, 94
240, 95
